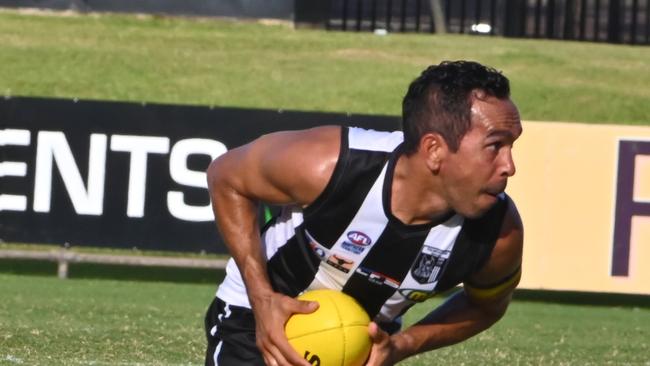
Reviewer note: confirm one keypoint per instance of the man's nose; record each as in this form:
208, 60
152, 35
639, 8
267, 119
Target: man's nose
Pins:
508, 167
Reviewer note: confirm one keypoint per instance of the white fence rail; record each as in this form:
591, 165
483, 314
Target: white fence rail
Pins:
64, 256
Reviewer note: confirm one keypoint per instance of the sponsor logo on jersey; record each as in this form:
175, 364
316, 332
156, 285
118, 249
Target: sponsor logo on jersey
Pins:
378, 278
429, 264
318, 249
359, 238
350, 247
416, 295
320, 252
340, 263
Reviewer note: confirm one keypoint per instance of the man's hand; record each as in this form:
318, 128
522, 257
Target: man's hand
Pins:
271, 314
383, 350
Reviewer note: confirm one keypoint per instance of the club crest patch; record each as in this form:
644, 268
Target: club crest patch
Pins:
429, 264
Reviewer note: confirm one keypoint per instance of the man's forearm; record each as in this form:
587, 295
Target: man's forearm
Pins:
454, 321
241, 234
236, 218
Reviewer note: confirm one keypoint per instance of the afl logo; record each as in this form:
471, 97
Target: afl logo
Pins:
359, 238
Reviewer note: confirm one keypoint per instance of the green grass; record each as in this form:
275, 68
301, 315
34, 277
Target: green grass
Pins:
552, 334
91, 320
44, 320
79, 322
227, 63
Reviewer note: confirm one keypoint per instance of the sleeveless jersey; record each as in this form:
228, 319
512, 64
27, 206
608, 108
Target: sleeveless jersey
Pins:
349, 240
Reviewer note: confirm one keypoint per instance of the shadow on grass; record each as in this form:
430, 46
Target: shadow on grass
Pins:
113, 272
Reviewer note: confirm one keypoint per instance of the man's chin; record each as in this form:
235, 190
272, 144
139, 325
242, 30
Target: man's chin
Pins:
486, 202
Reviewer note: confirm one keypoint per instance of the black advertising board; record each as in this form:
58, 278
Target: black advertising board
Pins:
116, 174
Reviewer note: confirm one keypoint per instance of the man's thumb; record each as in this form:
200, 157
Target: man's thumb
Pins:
377, 335
306, 307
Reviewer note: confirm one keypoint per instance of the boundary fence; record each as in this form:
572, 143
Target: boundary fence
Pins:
613, 21
63, 257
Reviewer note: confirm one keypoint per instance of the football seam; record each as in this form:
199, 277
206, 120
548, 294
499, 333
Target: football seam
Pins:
326, 329
340, 327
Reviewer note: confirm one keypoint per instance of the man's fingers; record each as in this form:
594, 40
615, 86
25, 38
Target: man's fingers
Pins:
268, 360
272, 340
377, 335
276, 358
381, 352
280, 353
290, 355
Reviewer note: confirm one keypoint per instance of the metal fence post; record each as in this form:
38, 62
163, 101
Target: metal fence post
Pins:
311, 13
514, 23
583, 19
633, 29
550, 19
438, 17
62, 268
614, 22
569, 19
359, 16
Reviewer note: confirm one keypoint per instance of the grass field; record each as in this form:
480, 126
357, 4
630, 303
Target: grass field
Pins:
90, 320
227, 63
46, 321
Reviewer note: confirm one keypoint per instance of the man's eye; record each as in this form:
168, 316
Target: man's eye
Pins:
495, 145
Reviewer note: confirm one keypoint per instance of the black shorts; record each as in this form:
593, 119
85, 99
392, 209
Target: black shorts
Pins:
231, 336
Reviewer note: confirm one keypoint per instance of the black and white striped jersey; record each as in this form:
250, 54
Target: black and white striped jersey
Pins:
349, 240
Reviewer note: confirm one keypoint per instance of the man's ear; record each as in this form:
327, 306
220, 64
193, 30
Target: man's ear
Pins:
433, 149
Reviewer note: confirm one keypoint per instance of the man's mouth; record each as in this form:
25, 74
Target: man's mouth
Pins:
495, 191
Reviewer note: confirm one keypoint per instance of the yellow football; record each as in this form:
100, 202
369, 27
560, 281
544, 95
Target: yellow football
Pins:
334, 335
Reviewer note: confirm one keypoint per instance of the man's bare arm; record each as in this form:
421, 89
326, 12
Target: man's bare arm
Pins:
281, 168
468, 312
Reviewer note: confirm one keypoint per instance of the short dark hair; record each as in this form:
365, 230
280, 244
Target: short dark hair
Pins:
439, 100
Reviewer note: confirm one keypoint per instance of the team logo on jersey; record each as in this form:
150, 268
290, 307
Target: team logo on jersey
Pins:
340, 263
428, 265
378, 278
416, 295
359, 238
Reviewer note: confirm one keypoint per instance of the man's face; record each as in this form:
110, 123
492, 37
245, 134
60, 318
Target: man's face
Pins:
475, 174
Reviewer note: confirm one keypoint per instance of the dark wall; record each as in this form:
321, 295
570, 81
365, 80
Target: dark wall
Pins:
124, 174
274, 9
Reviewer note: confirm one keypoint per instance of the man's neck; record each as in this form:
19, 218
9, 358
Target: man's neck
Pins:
416, 197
